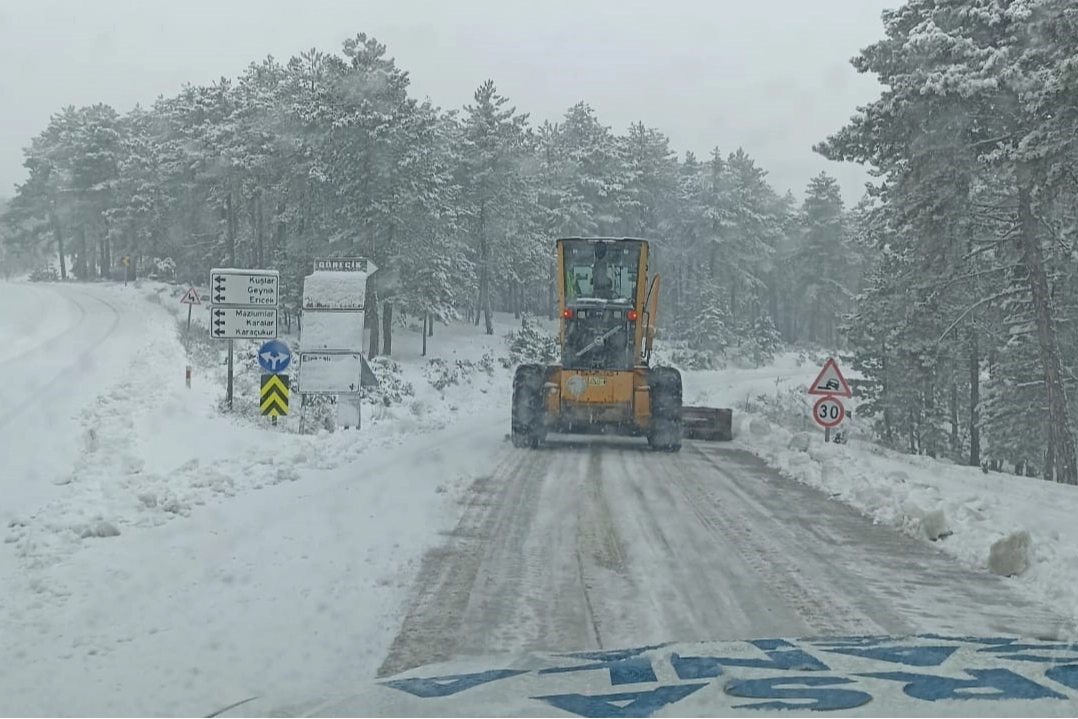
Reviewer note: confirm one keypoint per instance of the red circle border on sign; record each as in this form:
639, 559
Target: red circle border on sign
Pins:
841, 411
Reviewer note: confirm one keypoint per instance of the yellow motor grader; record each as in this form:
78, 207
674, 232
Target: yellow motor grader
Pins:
605, 383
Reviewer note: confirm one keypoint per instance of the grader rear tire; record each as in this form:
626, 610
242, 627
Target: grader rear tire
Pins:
665, 427
528, 429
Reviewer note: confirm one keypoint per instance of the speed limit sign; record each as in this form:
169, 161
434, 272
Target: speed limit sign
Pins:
829, 412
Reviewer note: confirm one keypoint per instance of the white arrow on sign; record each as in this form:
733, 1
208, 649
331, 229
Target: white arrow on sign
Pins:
245, 288
238, 323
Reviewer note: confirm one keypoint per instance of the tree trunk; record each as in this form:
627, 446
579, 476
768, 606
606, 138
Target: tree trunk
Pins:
279, 233
430, 330
426, 320
484, 267
58, 235
974, 400
230, 219
551, 296
374, 345
387, 328
260, 239
954, 418
1060, 437
488, 312
106, 252
81, 265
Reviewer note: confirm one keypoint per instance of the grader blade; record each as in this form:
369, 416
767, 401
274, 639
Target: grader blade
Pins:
713, 424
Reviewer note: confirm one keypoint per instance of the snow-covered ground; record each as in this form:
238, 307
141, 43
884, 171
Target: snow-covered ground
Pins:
922, 496
163, 558
159, 556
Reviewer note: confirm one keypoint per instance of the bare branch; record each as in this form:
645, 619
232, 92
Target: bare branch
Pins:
979, 303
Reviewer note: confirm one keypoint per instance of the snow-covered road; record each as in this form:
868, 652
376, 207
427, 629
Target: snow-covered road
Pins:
587, 545
243, 559
60, 346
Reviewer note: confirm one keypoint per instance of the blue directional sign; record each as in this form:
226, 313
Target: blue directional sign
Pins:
274, 357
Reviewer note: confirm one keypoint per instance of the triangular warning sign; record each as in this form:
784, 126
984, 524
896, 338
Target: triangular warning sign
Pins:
190, 297
830, 381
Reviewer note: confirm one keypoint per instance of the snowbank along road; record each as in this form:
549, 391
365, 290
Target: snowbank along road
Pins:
604, 545
58, 351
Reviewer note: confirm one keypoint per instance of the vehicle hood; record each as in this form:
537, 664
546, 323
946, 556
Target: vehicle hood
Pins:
923, 675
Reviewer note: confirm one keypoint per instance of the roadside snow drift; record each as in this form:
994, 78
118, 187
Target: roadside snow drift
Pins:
159, 554
963, 509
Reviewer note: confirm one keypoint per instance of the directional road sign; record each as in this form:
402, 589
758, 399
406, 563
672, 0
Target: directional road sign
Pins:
273, 398
238, 323
274, 357
345, 264
245, 288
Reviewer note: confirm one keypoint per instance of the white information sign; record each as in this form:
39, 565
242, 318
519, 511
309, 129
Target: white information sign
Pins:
245, 288
332, 331
330, 372
240, 323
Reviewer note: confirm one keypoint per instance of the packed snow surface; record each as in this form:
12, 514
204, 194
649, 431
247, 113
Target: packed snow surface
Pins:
163, 557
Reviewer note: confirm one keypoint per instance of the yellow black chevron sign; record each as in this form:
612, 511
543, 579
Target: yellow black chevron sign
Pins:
273, 399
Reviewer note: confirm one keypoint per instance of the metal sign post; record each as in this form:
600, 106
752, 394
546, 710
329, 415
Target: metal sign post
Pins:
243, 305
829, 385
190, 298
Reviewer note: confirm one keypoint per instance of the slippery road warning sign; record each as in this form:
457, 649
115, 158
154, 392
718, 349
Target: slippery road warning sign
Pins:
830, 381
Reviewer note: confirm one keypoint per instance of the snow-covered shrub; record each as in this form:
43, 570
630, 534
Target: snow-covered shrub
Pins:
319, 412
202, 350
486, 363
762, 341
162, 269
246, 376
45, 274
392, 387
442, 374
530, 344
791, 408
683, 357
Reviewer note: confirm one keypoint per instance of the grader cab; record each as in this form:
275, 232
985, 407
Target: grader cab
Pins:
605, 383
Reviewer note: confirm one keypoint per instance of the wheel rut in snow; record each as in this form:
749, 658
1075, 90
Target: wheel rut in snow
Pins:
863, 572
587, 545
769, 548
72, 368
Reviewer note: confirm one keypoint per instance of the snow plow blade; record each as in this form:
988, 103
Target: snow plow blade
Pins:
708, 423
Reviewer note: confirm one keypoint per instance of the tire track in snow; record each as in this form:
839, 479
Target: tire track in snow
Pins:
52, 342
12, 414
869, 573
432, 628
759, 540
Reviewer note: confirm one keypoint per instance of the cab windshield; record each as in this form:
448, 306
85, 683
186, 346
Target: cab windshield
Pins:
601, 270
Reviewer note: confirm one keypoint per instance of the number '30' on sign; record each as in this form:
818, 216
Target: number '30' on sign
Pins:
829, 412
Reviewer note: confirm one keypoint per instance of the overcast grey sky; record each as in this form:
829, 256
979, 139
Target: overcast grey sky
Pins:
772, 76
